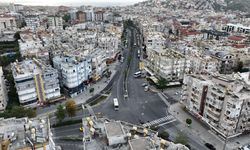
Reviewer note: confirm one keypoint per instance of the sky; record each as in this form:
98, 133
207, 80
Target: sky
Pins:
72, 2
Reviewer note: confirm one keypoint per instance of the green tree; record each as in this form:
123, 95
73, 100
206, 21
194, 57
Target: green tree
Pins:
60, 113
181, 138
239, 67
189, 121
164, 135
71, 107
17, 36
91, 90
66, 17
162, 84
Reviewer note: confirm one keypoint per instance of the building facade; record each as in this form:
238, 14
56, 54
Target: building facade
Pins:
221, 101
32, 22
55, 22
168, 64
74, 73
35, 82
7, 23
3, 92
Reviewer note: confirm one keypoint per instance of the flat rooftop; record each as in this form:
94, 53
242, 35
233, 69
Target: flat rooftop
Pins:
141, 144
26, 67
114, 128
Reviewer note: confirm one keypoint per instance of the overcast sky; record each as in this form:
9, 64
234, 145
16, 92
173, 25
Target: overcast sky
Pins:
72, 2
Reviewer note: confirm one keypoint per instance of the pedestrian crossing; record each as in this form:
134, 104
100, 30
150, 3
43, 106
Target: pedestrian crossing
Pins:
161, 121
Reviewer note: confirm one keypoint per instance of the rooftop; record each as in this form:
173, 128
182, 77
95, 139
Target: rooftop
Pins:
114, 128
141, 144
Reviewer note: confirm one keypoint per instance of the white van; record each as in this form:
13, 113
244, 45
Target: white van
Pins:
116, 104
137, 74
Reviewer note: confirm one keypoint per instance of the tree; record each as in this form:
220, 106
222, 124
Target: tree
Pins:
17, 36
162, 84
71, 107
239, 67
66, 17
91, 90
182, 139
60, 113
189, 121
164, 135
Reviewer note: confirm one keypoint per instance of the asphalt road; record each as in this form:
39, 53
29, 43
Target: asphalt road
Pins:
141, 106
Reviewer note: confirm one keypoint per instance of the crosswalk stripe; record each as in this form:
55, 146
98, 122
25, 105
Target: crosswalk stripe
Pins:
160, 121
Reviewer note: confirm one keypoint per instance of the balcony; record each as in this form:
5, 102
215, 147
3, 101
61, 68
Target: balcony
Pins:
213, 115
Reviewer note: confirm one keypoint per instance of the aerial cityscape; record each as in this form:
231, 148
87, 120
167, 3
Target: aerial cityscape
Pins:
125, 75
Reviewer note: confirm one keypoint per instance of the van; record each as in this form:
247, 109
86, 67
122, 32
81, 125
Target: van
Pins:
116, 104
137, 74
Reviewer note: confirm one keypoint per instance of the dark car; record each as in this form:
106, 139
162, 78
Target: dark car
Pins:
210, 146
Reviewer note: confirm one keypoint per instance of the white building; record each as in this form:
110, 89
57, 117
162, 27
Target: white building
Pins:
168, 64
221, 101
3, 92
32, 22
74, 72
7, 23
55, 22
36, 83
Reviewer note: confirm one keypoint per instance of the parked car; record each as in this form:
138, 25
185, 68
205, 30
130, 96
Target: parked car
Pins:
210, 146
144, 84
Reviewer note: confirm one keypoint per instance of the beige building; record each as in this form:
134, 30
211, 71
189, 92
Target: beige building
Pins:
3, 92
167, 63
7, 23
223, 102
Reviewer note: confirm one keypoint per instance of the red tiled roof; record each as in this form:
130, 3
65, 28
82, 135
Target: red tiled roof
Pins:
236, 38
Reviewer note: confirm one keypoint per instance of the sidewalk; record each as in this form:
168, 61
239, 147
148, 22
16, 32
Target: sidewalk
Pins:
199, 130
98, 86
84, 96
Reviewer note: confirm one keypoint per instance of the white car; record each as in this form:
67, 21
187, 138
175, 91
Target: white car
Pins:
144, 84
146, 88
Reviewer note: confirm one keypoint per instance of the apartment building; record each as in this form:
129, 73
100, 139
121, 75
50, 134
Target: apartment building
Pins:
221, 101
203, 64
3, 92
36, 83
55, 22
81, 16
227, 62
236, 28
18, 133
32, 22
168, 64
74, 73
7, 23
98, 15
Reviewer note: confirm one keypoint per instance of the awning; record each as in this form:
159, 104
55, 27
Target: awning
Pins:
154, 79
148, 71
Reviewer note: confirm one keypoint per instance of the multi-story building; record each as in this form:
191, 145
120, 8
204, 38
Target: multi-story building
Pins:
168, 64
221, 101
7, 23
81, 16
55, 22
74, 73
19, 133
32, 22
227, 62
3, 92
236, 28
99, 16
36, 83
